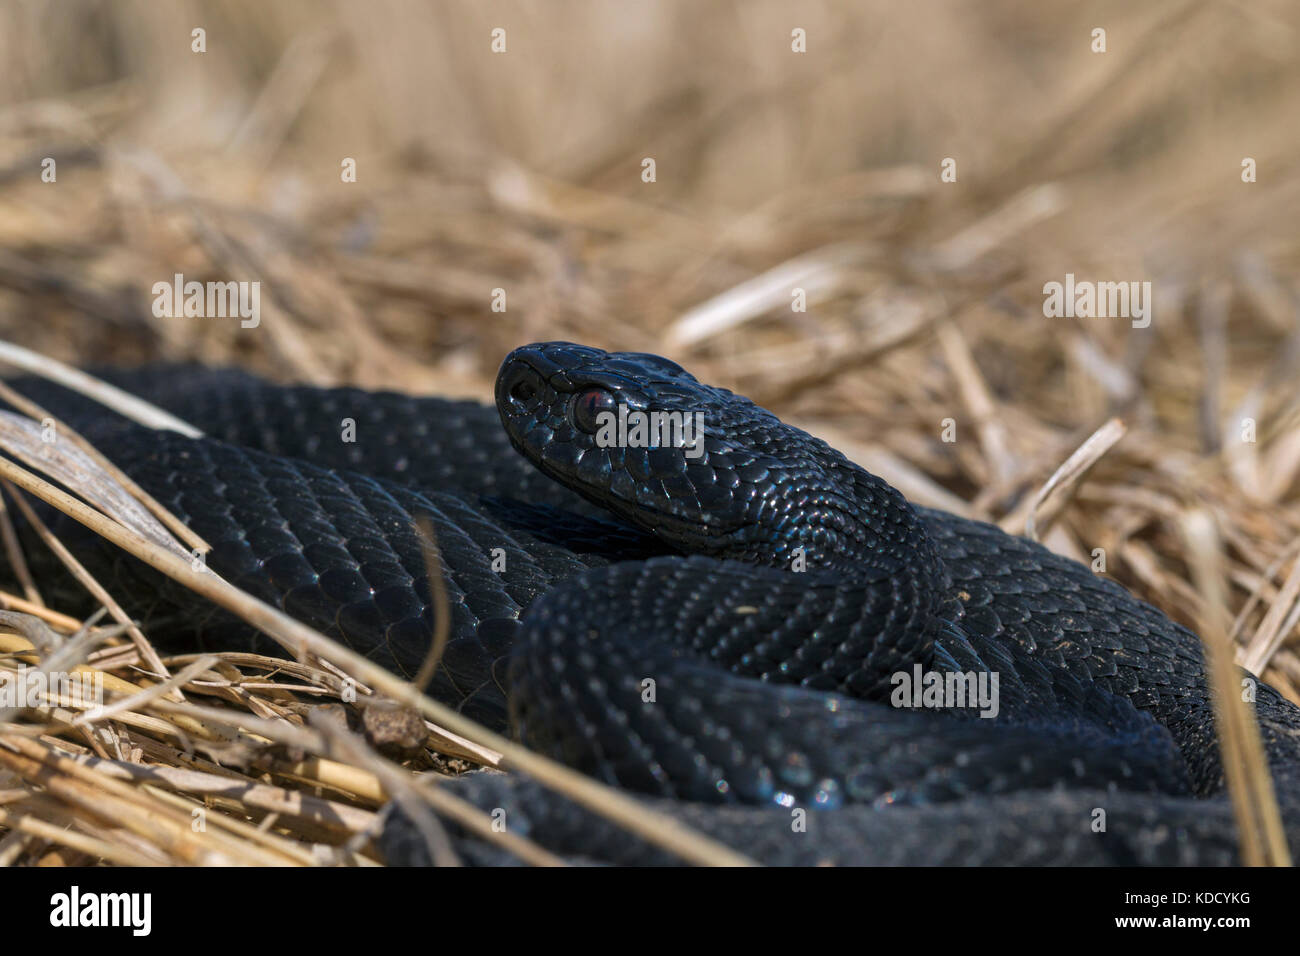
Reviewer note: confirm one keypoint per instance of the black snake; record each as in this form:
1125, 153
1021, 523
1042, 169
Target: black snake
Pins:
745, 627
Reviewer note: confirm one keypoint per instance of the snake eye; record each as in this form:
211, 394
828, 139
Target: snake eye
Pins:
588, 405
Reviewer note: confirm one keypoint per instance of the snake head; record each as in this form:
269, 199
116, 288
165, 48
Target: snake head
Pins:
701, 468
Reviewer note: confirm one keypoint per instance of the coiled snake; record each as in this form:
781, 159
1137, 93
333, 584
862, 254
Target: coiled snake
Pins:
746, 628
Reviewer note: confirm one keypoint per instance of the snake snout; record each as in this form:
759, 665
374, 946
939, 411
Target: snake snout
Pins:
518, 385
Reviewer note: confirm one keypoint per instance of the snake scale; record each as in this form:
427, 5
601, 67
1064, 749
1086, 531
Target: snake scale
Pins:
720, 626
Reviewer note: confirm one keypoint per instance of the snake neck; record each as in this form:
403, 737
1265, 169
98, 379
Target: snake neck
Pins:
822, 511
854, 556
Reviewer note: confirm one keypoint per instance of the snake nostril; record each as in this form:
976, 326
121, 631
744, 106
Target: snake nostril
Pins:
523, 389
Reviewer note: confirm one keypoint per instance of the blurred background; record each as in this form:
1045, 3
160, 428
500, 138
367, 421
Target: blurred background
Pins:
523, 170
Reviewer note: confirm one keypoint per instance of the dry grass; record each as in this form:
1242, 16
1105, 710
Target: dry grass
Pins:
820, 170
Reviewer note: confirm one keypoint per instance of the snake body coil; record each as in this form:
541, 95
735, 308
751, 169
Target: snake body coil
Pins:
740, 629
